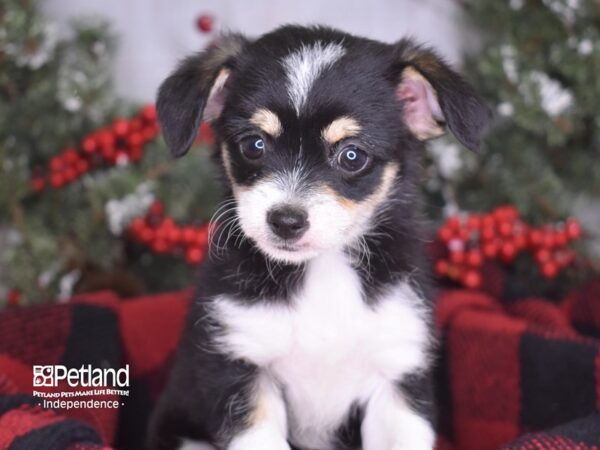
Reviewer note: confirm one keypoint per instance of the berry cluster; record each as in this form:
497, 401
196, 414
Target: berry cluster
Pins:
163, 235
502, 235
119, 143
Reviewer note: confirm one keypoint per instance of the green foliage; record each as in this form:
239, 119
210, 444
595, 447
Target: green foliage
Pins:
53, 91
538, 63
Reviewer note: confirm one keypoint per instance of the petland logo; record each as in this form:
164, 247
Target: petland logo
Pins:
85, 376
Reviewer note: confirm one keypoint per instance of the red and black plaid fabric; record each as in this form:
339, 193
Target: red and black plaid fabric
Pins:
509, 370
517, 377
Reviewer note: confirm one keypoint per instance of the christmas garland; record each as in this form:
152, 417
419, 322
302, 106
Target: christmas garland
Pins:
163, 236
119, 143
122, 142
502, 235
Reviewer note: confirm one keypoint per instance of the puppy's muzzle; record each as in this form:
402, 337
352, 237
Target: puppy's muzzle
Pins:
288, 222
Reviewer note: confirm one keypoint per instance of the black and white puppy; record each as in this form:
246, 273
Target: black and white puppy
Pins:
311, 328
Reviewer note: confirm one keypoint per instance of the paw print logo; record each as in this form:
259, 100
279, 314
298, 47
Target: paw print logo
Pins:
43, 376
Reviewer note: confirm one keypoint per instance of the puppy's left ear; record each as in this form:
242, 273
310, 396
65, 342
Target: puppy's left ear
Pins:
433, 96
196, 91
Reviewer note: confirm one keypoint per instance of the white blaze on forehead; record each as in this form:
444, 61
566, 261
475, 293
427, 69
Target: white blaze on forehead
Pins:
304, 66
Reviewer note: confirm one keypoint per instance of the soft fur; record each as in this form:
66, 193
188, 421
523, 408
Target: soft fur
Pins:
311, 327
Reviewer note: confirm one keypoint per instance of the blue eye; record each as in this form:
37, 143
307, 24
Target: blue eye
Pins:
252, 147
352, 159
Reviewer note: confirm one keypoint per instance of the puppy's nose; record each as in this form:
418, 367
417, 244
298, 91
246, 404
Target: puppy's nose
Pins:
288, 222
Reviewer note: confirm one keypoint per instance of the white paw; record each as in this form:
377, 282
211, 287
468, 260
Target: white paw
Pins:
259, 438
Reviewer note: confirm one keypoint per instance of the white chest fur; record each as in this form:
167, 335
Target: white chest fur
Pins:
328, 349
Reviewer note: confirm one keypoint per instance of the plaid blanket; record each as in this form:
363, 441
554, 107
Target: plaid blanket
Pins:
516, 377
509, 370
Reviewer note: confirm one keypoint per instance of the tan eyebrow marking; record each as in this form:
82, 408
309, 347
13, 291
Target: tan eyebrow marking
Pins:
341, 128
267, 121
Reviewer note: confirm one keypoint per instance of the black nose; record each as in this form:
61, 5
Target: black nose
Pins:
288, 222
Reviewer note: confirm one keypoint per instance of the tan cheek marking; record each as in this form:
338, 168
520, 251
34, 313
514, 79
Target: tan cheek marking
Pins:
345, 202
341, 128
387, 181
372, 201
267, 121
228, 171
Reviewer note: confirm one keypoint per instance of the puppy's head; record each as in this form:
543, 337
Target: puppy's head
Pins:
316, 128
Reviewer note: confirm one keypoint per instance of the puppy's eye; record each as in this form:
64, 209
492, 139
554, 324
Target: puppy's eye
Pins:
352, 159
252, 147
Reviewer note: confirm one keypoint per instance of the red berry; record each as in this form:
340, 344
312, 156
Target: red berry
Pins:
508, 251
82, 166
89, 144
175, 235
573, 229
70, 156
146, 234
149, 113
457, 257
487, 221
488, 233
149, 133
490, 250
474, 258
441, 267
156, 208
560, 238
135, 125
135, 153
201, 237
57, 164
510, 212
471, 279
120, 127
445, 234
188, 235
543, 255
205, 23
105, 139
137, 225
160, 246
505, 228
548, 240
474, 222
70, 174
135, 139
109, 154
535, 238
550, 269
57, 180
194, 255
498, 215
464, 234
168, 223
453, 222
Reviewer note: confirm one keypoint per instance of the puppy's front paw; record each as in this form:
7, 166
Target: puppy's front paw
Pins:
259, 438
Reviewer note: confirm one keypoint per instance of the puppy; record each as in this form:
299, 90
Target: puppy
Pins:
312, 324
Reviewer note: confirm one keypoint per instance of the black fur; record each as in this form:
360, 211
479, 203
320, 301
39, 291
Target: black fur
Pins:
208, 395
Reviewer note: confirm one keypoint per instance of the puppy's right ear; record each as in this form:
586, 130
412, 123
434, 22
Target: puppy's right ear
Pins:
196, 91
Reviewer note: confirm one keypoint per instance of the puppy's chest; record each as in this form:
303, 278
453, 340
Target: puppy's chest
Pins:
328, 349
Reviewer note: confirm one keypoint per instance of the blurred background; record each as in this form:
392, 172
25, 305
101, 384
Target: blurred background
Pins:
90, 199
